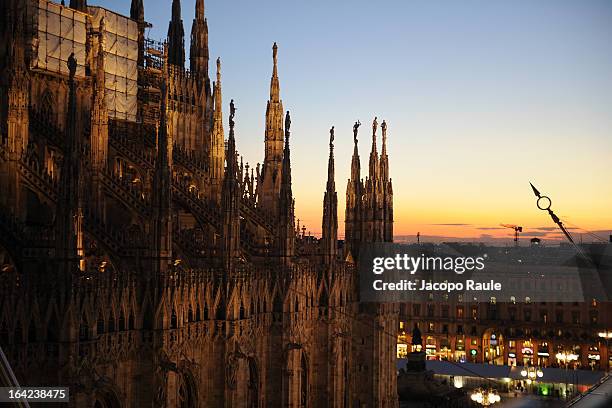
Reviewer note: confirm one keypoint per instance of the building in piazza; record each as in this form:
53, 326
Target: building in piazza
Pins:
142, 262
566, 332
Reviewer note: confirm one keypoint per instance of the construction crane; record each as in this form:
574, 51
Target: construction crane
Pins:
516, 229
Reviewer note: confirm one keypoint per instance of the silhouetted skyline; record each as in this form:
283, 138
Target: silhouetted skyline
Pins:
480, 97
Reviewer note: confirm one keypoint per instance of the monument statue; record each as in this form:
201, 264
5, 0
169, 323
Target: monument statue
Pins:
331, 137
356, 130
374, 125
232, 113
287, 122
72, 65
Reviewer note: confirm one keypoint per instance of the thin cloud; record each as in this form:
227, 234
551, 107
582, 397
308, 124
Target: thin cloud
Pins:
538, 234
453, 225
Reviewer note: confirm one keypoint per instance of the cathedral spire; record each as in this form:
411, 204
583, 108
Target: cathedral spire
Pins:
176, 36
199, 14
17, 116
230, 203
384, 159
286, 178
80, 5
331, 184
99, 114
137, 14
387, 189
355, 162
18, 91
274, 83
216, 149
162, 191
137, 10
70, 210
374, 153
198, 52
99, 127
272, 165
286, 203
353, 220
330, 209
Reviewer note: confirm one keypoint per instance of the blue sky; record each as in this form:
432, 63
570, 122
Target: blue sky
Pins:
480, 96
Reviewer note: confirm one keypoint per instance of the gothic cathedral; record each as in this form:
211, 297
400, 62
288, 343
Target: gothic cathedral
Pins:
143, 263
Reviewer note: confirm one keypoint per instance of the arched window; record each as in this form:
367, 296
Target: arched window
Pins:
277, 306
46, 107
122, 321
111, 323
173, 320
221, 309
242, 311
147, 320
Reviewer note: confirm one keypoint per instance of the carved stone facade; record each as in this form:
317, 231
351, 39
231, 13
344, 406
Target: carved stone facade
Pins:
144, 264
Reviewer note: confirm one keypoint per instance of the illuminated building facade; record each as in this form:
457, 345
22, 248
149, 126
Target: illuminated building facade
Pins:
520, 332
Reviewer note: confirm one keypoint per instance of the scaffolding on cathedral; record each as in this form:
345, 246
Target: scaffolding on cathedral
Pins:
61, 31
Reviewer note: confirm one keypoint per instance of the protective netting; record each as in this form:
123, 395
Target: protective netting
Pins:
62, 31
120, 62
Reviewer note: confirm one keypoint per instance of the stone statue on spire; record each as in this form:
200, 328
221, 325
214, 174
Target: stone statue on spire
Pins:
356, 130
287, 124
232, 113
383, 126
374, 126
72, 65
331, 137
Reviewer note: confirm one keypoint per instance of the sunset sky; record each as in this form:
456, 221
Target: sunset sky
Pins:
480, 97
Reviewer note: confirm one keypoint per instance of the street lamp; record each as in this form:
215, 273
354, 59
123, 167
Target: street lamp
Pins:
606, 335
485, 397
566, 358
531, 373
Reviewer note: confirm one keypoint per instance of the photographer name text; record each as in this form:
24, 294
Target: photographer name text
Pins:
421, 286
